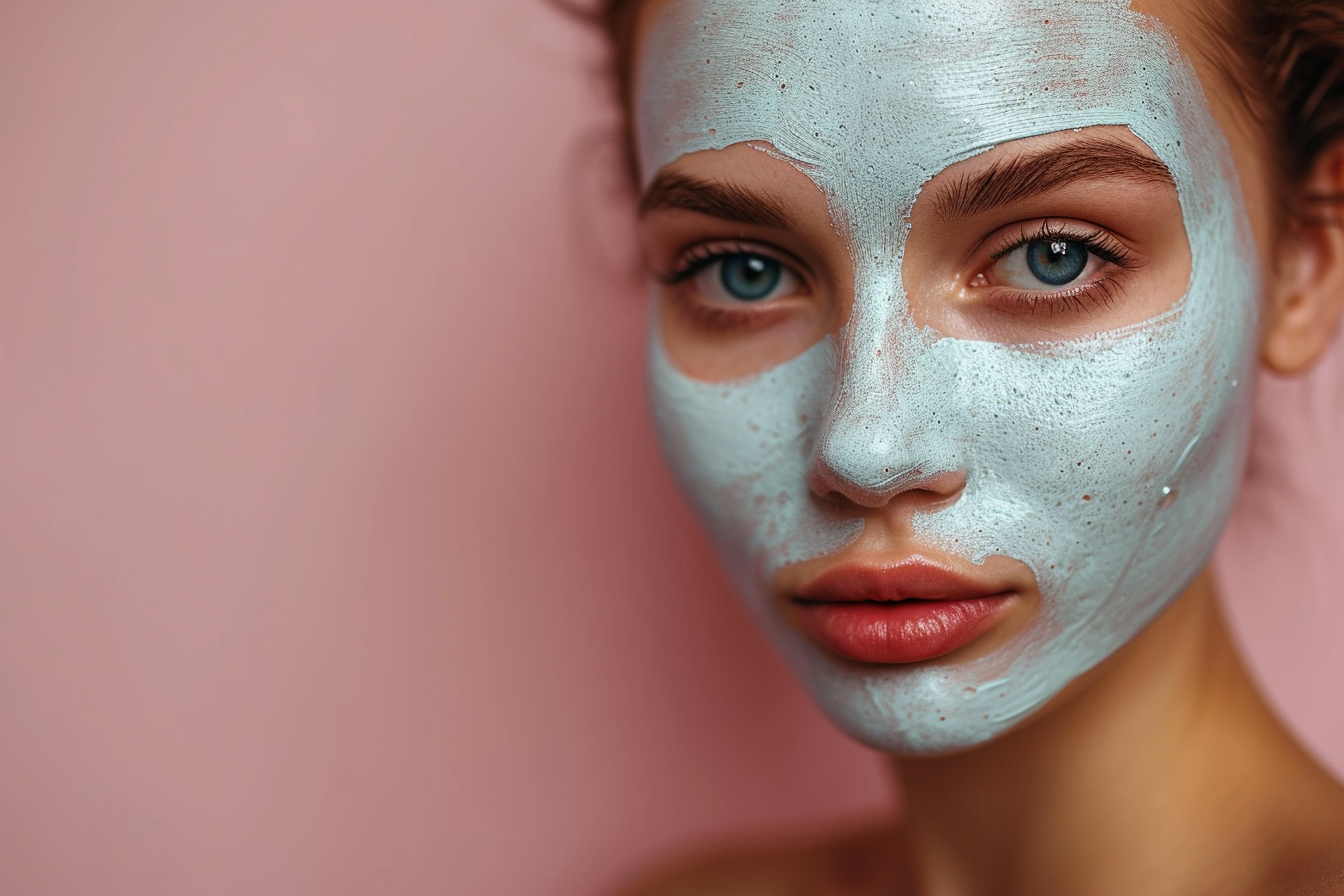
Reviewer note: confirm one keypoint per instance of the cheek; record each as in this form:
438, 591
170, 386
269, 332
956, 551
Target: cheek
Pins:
740, 451
1075, 463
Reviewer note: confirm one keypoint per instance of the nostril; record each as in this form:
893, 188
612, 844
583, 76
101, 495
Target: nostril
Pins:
948, 484
938, 490
945, 490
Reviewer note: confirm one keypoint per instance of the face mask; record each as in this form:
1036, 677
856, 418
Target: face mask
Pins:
1107, 464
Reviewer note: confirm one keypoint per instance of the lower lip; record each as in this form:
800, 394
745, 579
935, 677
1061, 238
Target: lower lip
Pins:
908, 631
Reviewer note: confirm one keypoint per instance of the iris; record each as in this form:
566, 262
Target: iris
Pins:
750, 278
1056, 262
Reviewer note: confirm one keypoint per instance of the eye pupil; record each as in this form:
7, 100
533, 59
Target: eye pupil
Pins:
750, 277
1056, 262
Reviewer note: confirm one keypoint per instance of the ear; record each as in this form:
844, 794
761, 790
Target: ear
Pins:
1307, 290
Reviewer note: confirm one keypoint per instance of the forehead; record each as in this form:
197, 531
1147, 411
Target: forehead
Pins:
883, 94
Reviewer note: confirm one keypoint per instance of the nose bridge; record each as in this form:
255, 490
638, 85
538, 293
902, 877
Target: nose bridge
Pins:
884, 433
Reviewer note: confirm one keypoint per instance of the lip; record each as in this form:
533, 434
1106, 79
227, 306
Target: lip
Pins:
914, 611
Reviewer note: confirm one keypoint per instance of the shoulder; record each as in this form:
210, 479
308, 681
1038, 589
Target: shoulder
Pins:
1320, 875
859, 861
1318, 882
1313, 865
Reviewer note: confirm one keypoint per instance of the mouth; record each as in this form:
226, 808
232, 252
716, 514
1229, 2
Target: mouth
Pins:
914, 611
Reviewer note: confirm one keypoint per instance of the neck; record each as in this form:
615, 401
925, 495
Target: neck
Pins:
1160, 772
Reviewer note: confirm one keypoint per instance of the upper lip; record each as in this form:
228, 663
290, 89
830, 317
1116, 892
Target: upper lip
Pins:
915, 578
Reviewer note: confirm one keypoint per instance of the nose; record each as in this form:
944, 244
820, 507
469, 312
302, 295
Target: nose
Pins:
927, 487
889, 432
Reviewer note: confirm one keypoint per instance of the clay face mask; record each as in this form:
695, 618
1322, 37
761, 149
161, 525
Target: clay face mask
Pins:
1106, 464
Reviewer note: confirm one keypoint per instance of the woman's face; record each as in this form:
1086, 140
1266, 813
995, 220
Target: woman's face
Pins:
953, 343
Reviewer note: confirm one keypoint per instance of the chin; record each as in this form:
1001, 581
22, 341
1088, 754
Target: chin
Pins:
921, 711
969, 698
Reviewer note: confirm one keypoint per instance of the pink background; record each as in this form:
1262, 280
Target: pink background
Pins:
336, 554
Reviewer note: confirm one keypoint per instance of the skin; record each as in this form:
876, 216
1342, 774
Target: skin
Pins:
1160, 771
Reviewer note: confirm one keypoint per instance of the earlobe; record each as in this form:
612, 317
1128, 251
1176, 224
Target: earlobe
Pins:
1306, 292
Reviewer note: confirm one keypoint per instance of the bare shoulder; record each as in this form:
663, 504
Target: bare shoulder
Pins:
854, 862
1322, 881
1314, 866
1321, 875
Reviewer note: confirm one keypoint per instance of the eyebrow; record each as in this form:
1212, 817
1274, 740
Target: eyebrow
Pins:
1012, 180
680, 192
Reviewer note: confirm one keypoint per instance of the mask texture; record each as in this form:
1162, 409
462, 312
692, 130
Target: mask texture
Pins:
1108, 465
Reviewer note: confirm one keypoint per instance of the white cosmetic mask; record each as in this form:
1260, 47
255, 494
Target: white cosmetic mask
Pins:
871, 99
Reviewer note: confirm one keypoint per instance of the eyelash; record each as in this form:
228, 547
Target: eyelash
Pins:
1101, 291
697, 258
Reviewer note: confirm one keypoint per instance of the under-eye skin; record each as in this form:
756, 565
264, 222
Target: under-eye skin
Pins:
1055, 267
727, 285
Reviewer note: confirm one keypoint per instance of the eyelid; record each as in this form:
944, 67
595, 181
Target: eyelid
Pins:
1101, 291
692, 261
1097, 240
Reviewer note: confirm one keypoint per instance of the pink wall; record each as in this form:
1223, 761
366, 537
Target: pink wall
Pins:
335, 552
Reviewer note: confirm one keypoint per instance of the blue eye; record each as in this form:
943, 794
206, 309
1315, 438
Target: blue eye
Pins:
1056, 262
1047, 262
737, 277
749, 278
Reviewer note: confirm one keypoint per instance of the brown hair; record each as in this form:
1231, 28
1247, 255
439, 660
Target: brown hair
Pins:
1285, 58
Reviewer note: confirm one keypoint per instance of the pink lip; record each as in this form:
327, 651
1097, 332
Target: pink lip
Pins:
914, 611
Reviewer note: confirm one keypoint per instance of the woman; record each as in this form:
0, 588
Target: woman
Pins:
958, 312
